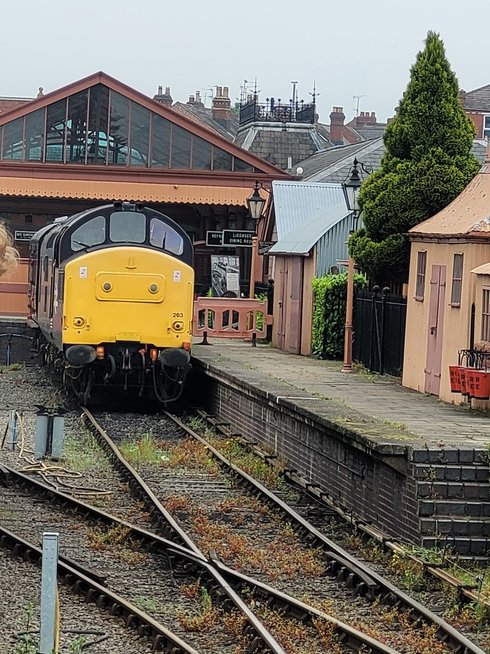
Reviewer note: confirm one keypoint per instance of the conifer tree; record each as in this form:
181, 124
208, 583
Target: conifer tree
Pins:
427, 163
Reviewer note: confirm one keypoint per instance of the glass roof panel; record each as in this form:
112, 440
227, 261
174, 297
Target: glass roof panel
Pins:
101, 126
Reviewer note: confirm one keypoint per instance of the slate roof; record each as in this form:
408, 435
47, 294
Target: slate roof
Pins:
335, 164
304, 213
281, 143
204, 116
478, 99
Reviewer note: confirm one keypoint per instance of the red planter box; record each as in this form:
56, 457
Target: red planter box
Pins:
477, 383
455, 378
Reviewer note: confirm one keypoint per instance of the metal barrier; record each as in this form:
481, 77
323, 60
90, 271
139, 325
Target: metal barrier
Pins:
8, 350
14, 291
223, 317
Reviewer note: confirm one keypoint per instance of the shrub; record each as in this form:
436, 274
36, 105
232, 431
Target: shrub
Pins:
329, 300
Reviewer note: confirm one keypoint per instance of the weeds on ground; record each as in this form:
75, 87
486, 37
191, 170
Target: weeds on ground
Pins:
143, 450
147, 604
117, 540
26, 644
84, 453
11, 368
205, 618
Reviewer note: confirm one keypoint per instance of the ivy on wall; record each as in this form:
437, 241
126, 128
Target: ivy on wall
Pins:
329, 302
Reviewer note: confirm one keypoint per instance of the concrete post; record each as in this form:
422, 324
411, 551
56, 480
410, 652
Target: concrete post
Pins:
49, 624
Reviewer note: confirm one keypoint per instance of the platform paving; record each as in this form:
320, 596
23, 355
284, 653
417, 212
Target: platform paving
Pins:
377, 407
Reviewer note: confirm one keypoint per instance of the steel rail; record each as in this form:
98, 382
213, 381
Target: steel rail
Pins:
262, 639
465, 591
379, 586
352, 638
190, 562
161, 638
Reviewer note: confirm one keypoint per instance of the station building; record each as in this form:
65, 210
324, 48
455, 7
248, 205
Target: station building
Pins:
97, 140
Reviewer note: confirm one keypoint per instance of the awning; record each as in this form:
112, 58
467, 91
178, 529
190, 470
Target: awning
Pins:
131, 191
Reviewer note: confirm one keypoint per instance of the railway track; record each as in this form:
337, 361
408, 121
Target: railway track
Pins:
87, 581
363, 584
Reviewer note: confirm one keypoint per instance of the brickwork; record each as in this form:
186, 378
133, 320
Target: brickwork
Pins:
454, 499
356, 480
16, 346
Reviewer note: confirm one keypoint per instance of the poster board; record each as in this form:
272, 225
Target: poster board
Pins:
225, 275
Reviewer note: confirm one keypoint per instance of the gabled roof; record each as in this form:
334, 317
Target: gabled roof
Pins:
304, 213
186, 123
335, 164
468, 215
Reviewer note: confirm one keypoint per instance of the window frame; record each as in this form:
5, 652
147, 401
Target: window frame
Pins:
485, 129
485, 314
457, 282
420, 275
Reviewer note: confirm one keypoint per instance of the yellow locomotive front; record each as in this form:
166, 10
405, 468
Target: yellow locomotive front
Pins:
114, 300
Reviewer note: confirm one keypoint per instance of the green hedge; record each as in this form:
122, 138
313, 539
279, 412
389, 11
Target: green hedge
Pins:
329, 299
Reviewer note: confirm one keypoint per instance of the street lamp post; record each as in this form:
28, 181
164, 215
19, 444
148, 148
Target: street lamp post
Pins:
255, 204
351, 189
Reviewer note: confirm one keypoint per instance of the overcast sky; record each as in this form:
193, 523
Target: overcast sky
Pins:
348, 49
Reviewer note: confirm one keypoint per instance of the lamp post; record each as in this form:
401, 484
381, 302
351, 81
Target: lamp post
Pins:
351, 190
255, 204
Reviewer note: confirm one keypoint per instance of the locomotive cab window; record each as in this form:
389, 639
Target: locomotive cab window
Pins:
165, 237
127, 227
89, 234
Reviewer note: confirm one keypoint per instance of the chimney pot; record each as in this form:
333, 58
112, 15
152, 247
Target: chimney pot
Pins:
160, 89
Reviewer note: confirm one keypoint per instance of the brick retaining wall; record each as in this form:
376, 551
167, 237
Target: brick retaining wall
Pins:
357, 479
20, 342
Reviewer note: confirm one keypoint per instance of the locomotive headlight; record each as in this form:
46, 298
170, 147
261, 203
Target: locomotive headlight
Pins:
178, 325
153, 288
78, 321
107, 286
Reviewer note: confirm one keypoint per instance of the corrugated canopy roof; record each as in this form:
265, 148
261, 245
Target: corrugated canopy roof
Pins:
467, 215
305, 211
120, 190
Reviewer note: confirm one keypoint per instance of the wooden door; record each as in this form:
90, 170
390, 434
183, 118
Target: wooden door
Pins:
280, 292
293, 313
435, 330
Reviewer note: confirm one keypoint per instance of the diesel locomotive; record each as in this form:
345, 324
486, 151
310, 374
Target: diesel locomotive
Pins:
111, 294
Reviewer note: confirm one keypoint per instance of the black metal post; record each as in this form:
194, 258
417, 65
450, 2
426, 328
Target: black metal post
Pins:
374, 328
385, 293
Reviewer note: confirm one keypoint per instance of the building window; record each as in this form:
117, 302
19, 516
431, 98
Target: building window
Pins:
485, 315
457, 280
486, 127
421, 264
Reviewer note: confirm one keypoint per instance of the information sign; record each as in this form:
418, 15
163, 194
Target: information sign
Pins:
214, 238
265, 246
23, 236
237, 239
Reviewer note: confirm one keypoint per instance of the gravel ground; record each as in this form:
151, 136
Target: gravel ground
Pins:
144, 579
18, 613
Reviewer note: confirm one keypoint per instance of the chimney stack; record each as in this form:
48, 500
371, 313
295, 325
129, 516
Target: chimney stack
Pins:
337, 118
221, 107
163, 98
